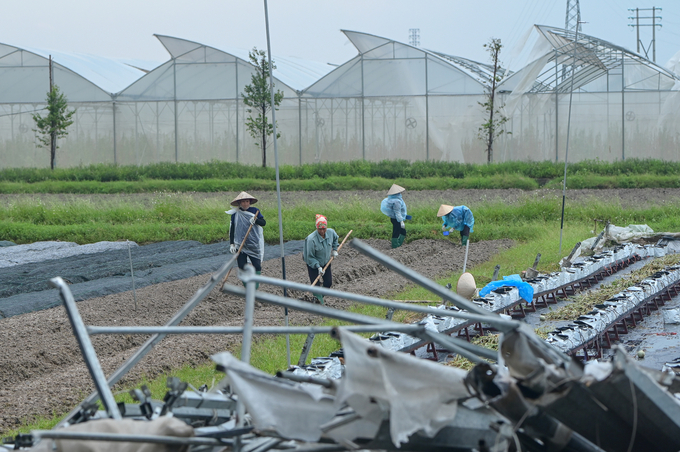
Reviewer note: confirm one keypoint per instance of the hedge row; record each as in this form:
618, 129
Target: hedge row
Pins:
387, 169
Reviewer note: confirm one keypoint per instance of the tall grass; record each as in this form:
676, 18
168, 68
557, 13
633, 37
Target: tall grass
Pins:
186, 217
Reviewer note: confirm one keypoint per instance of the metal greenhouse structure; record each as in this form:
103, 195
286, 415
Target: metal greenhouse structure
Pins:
391, 101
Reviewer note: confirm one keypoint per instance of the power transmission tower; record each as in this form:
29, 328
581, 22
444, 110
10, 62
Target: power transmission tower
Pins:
637, 25
572, 21
414, 37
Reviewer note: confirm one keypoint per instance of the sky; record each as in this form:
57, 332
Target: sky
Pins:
310, 29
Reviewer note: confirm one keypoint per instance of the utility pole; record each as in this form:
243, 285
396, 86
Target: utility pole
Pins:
414, 37
572, 20
53, 134
654, 24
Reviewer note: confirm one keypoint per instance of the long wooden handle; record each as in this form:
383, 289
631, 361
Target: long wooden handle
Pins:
240, 247
331, 259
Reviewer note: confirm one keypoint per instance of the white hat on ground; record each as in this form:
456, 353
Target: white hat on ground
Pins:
466, 287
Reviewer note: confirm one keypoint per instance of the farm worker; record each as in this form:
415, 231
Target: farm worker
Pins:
459, 218
243, 215
319, 246
394, 207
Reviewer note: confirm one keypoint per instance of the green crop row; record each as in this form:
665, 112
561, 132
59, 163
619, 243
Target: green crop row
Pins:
387, 169
186, 217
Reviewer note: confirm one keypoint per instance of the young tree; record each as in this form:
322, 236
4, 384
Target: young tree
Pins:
257, 97
492, 128
54, 124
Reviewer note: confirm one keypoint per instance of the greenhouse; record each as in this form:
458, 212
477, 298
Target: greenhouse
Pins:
391, 101
623, 105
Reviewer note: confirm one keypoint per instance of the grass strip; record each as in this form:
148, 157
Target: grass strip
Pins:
172, 216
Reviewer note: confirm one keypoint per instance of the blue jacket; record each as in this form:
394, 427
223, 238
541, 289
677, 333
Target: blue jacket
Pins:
394, 207
458, 218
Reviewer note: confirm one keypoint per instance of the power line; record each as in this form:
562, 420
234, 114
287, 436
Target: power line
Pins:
654, 24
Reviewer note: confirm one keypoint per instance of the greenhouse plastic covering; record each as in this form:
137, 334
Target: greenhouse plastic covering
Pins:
390, 101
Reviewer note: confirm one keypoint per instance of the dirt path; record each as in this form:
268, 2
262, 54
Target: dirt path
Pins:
41, 370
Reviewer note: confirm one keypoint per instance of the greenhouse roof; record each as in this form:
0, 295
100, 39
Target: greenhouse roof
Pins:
111, 75
297, 73
385, 67
590, 58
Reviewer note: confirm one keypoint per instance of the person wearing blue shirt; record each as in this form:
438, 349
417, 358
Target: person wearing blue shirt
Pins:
243, 215
394, 207
318, 249
459, 218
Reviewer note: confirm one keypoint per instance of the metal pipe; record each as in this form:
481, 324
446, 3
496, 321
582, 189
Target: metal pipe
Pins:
200, 294
116, 437
132, 273
248, 314
467, 248
165, 330
311, 308
462, 348
276, 166
566, 150
488, 316
89, 354
422, 281
326, 383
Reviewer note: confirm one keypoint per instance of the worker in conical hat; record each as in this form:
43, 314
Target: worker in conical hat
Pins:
319, 247
394, 207
243, 215
459, 218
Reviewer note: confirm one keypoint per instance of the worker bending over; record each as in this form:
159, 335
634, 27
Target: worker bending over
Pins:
459, 218
394, 207
319, 247
243, 216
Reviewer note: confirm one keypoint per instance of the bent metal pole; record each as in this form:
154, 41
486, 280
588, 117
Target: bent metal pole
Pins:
276, 166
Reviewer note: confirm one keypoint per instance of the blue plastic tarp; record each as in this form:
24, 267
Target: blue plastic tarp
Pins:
526, 291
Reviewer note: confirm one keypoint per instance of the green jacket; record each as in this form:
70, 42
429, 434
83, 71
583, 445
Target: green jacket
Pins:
317, 251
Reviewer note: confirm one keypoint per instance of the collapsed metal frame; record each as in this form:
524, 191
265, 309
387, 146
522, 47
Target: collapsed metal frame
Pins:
362, 324
519, 342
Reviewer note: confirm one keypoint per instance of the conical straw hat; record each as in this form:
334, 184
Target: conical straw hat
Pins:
394, 189
466, 287
444, 210
241, 196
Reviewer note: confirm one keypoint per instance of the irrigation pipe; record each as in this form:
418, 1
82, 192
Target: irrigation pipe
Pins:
241, 247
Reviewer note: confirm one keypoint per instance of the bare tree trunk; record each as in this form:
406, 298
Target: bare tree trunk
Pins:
53, 149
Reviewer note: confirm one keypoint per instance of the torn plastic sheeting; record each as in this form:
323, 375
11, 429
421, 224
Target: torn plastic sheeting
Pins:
420, 396
292, 410
526, 291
